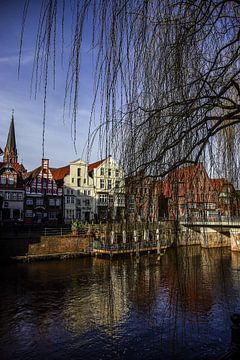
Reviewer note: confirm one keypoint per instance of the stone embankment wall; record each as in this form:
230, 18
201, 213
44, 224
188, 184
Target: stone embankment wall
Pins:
59, 245
40, 247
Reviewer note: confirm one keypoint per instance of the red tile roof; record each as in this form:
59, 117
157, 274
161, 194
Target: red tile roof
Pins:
19, 168
60, 173
218, 184
95, 165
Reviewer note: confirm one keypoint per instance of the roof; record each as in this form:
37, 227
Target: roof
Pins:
95, 165
218, 184
11, 140
32, 174
185, 176
19, 168
60, 173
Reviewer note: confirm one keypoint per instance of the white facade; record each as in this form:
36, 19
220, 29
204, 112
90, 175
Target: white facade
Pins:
108, 181
78, 193
94, 192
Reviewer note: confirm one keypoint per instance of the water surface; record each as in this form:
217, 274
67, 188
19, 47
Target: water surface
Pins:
130, 308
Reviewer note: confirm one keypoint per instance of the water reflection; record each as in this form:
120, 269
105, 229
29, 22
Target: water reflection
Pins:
121, 309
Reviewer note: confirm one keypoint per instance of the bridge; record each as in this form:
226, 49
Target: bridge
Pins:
212, 233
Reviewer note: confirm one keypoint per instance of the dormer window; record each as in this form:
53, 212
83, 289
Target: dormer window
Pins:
11, 180
102, 171
3, 179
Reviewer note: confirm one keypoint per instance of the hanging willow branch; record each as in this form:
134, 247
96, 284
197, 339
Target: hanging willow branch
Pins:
167, 72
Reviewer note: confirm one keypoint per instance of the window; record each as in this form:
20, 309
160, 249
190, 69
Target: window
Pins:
20, 196
85, 192
14, 196
72, 180
102, 184
68, 191
89, 193
71, 192
58, 202
78, 182
8, 195
87, 202
51, 202
117, 173
39, 190
39, 202
85, 181
117, 184
52, 215
103, 198
68, 199
3, 179
28, 213
109, 184
79, 172
78, 192
11, 180
102, 171
109, 172
78, 201
72, 199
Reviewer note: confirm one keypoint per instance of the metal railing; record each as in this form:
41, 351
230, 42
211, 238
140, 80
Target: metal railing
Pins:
55, 231
138, 246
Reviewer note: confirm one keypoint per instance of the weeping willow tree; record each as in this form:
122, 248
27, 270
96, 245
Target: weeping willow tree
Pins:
166, 71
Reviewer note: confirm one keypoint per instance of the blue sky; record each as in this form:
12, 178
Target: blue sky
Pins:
28, 112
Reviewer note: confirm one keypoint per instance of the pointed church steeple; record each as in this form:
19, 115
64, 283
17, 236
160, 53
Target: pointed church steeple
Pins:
10, 152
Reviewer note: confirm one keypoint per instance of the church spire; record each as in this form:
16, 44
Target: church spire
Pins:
10, 153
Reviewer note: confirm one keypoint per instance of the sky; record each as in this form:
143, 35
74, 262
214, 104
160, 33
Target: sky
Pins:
28, 112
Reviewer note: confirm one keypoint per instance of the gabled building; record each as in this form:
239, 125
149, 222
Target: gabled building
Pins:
11, 180
79, 200
44, 194
191, 195
109, 189
141, 198
94, 192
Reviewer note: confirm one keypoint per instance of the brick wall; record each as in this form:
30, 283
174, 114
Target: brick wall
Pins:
59, 245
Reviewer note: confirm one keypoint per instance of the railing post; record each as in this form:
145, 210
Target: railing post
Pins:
112, 237
158, 241
124, 236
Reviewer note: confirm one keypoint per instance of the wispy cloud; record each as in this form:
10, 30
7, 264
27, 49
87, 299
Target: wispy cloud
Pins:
14, 59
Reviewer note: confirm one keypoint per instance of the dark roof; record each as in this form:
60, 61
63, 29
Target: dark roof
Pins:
11, 140
32, 174
19, 168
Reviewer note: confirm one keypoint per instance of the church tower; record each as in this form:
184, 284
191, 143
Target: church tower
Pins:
10, 152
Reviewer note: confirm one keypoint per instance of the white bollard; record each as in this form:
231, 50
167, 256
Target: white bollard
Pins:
135, 235
124, 236
112, 237
145, 234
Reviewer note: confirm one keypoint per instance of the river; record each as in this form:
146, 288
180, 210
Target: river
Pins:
91, 308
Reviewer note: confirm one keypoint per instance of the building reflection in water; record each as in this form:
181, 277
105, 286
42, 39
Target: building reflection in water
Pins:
183, 300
